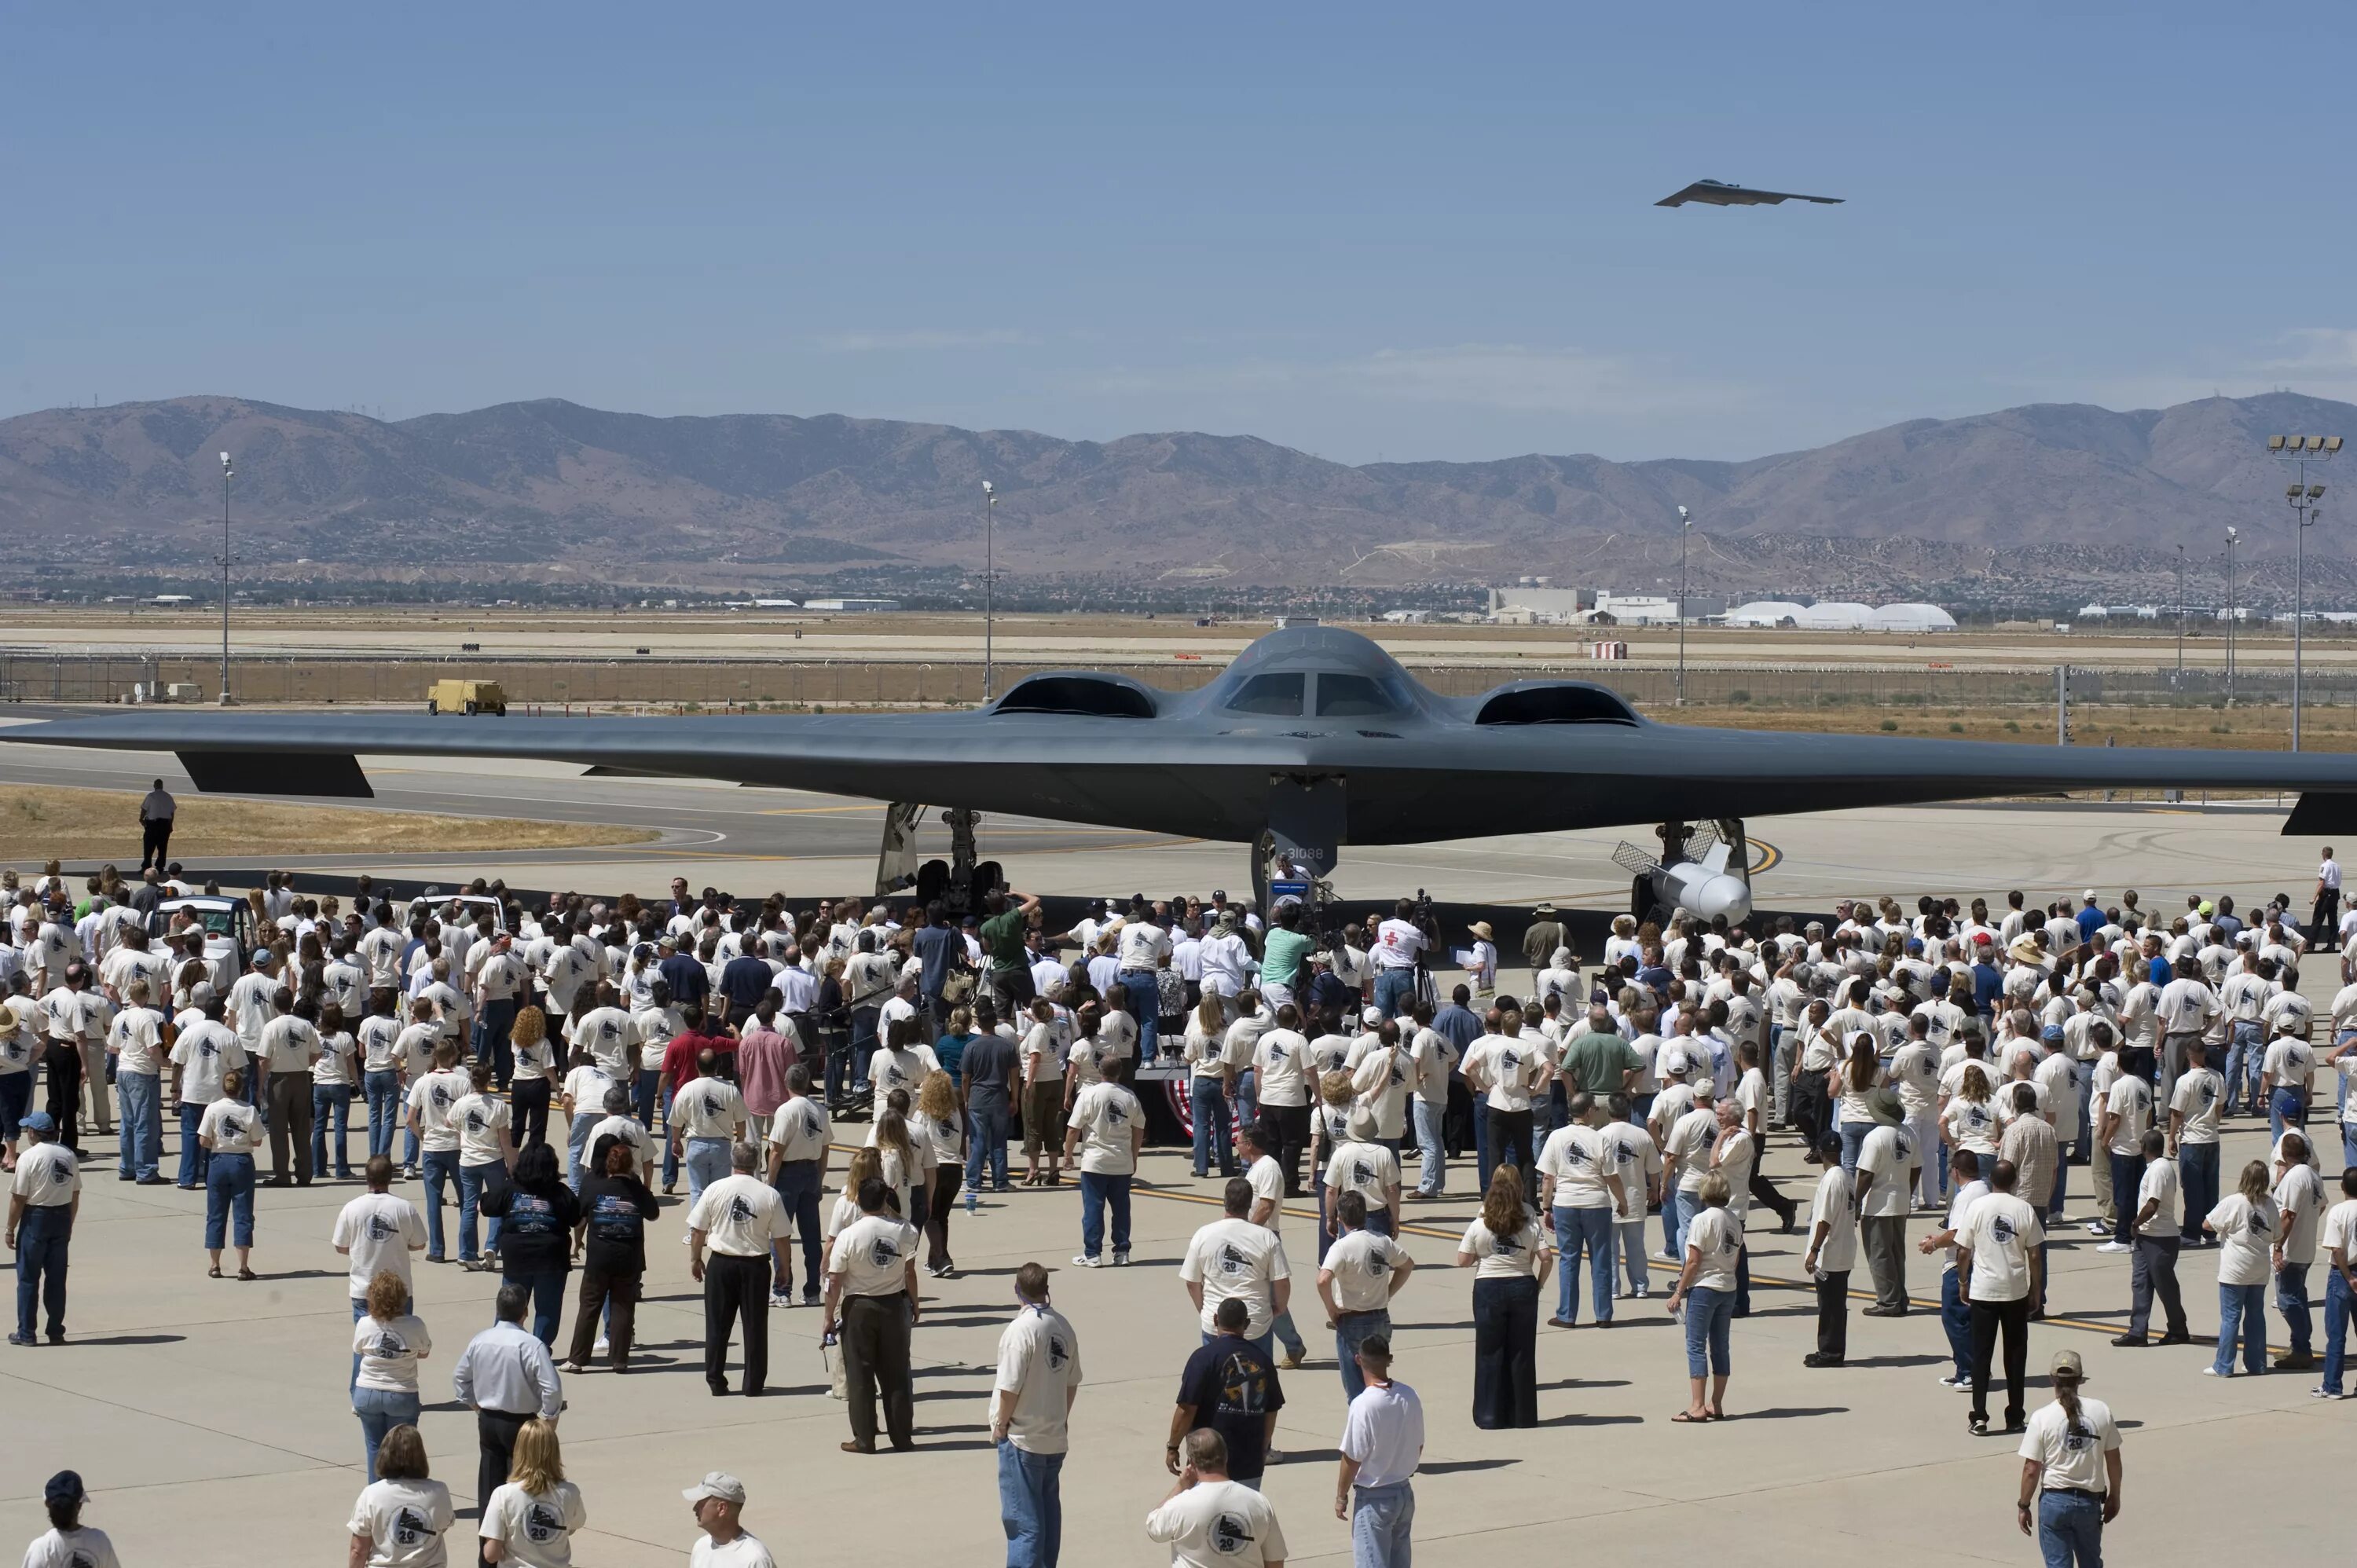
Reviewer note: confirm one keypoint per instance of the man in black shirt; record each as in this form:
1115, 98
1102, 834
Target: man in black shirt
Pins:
991, 1063
1230, 1386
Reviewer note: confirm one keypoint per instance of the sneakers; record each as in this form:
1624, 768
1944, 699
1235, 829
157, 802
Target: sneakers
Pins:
1120, 1261
2098, 1227
1819, 1359
2115, 1247
2318, 1392
1977, 1426
1083, 1260
603, 1348
2131, 1342
1961, 1385
29, 1339
1292, 1360
2212, 1371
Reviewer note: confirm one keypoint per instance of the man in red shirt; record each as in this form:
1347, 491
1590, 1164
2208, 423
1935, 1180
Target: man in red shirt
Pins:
679, 1067
763, 1055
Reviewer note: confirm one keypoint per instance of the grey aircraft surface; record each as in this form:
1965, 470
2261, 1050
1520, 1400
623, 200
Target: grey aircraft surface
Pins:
1314, 738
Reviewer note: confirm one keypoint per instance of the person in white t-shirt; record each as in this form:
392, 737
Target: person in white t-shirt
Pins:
2248, 1227
1356, 1279
1833, 1251
2000, 1268
2155, 1236
377, 1231
1105, 1134
1039, 1378
1234, 1256
388, 1342
2070, 1470
1211, 1521
400, 1518
719, 1503
69, 1543
532, 1518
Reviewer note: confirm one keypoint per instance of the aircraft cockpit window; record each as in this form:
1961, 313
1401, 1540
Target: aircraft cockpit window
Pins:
1354, 696
1276, 695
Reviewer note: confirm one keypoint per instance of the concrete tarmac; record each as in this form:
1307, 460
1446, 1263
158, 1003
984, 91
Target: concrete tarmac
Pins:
205, 1418
204, 1415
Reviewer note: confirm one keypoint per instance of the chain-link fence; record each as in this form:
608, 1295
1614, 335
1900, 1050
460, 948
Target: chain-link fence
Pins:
679, 684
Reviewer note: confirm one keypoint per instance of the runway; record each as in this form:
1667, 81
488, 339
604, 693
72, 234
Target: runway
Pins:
754, 840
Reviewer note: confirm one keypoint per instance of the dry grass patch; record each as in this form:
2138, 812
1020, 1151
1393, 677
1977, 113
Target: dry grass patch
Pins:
38, 822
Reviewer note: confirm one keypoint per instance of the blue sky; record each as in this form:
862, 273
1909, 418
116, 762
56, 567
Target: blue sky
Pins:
1404, 231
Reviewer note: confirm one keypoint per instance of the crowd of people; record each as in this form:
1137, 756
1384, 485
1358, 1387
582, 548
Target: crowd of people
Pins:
551, 1068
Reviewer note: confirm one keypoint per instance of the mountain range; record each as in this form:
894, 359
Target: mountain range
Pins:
548, 489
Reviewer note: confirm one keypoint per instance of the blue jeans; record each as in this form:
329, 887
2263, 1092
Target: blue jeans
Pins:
2347, 1141
41, 1241
1031, 1505
491, 1026
2071, 1530
383, 1091
547, 1287
2336, 1325
2245, 1053
1208, 1097
440, 1169
1957, 1319
2241, 1312
707, 1162
143, 1123
1710, 1315
2127, 1175
642, 1095
2286, 1108
2197, 1171
986, 1132
1577, 1229
1281, 1332
1349, 1332
577, 1146
381, 1410
2291, 1300
1382, 1524
1688, 1205
1434, 1173
863, 1045
1097, 1192
1631, 1238
1146, 1006
331, 1099
1853, 1137
228, 1190
474, 1181
1394, 991
798, 1188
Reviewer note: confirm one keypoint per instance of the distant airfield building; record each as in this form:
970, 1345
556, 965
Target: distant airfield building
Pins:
1601, 606
851, 607
1840, 614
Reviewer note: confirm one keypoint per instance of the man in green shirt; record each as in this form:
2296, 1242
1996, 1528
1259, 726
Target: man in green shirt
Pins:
1281, 955
1597, 1060
1002, 936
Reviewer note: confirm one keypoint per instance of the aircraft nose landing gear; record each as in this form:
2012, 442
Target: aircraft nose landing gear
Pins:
957, 883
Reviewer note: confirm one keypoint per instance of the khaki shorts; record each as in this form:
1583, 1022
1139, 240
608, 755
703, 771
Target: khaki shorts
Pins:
1043, 1117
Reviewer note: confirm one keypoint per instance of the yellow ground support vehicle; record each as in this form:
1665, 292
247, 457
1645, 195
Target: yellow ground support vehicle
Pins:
470, 697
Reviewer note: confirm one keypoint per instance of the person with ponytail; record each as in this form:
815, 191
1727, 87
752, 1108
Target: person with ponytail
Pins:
2070, 1471
69, 1543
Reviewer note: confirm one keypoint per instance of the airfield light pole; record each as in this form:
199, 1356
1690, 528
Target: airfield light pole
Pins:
228, 473
2180, 614
989, 575
2230, 537
2303, 497
1685, 541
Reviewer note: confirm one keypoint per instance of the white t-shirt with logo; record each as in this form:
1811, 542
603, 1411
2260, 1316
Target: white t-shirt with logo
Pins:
2070, 1457
2160, 1186
1514, 1256
2198, 1096
234, 1127
1362, 1262
708, 1108
480, 1119
432, 1098
872, 1253
390, 1352
203, 1052
47, 1176
1717, 1237
1580, 1158
1108, 1115
83, 1548
2246, 1232
1834, 1205
136, 1037
740, 1215
1218, 1524
535, 1528
1233, 1257
2002, 1232
405, 1519
1040, 1364
380, 1230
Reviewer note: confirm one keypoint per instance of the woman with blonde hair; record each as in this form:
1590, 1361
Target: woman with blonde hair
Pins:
1508, 1254
1853, 1085
1210, 1085
942, 1128
2247, 1225
1968, 1120
534, 1085
898, 1152
845, 1211
532, 1518
389, 1342
1706, 1290
229, 1133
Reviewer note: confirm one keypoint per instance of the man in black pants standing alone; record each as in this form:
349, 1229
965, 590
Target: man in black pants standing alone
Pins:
743, 1221
156, 814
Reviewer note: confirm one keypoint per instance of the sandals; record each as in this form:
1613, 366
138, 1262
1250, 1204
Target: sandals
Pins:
213, 1273
247, 1274
1687, 1418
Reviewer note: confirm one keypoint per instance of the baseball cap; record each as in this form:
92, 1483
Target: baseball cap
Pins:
200, 993
38, 1121
1371, 1016
1705, 1087
717, 1483
2089, 896
65, 1486
2067, 1361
